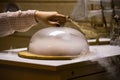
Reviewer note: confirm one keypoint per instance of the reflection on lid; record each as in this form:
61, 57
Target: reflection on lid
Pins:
56, 33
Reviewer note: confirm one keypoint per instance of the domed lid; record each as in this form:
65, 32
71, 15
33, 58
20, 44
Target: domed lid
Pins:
58, 41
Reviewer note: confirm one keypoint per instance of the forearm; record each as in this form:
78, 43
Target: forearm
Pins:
20, 21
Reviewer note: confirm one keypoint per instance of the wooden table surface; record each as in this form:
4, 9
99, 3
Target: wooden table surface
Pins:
11, 64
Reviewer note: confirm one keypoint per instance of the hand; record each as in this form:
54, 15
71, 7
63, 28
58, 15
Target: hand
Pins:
52, 18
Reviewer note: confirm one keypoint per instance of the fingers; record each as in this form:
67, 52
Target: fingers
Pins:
57, 19
61, 19
52, 23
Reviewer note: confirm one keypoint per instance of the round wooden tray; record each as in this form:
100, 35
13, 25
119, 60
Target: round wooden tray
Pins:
26, 54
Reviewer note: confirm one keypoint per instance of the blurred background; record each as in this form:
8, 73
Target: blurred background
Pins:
92, 25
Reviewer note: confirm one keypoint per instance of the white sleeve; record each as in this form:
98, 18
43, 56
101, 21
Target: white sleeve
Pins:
20, 21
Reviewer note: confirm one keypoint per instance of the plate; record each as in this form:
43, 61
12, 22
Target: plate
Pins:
26, 54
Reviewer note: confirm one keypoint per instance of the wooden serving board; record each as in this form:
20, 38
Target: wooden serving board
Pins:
26, 54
